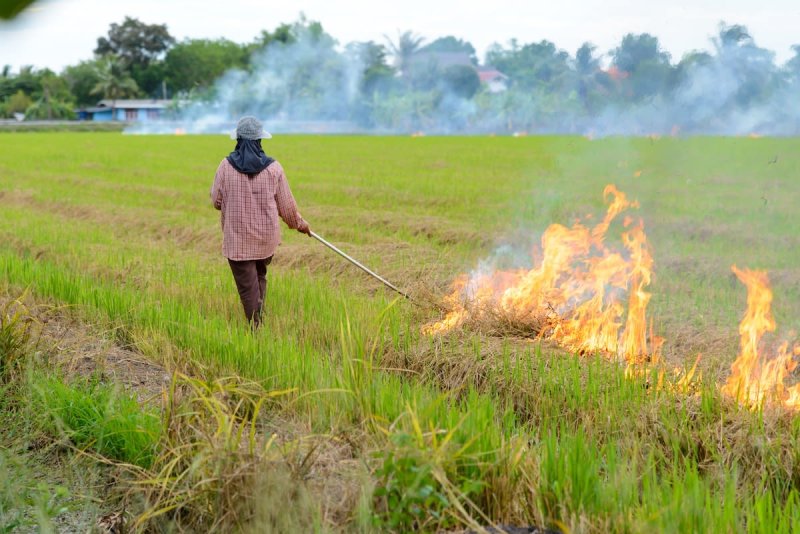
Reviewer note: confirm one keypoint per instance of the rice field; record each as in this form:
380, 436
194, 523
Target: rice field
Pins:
447, 432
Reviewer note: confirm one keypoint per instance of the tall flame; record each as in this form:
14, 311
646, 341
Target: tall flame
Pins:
577, 288
757, 377
575, 297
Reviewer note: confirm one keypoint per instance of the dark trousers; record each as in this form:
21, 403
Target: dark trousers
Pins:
251, 281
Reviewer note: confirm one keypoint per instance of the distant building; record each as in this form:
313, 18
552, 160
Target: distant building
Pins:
495, 81
126, 110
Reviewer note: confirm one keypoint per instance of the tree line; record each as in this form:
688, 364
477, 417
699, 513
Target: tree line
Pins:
389, 86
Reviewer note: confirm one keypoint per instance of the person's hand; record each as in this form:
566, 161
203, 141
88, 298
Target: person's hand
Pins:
304, 228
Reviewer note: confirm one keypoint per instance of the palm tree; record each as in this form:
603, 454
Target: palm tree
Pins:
114, 83
408, 43
50, 106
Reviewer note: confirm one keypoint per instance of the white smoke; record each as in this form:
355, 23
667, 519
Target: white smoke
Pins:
310, 86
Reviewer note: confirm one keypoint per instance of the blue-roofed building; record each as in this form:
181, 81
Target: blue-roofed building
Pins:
124, 110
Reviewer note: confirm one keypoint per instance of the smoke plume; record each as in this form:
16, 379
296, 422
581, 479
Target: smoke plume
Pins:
311, 86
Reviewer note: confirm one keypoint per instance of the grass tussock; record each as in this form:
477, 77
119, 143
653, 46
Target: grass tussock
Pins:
205, 461
96, 416
215, 468
16, 333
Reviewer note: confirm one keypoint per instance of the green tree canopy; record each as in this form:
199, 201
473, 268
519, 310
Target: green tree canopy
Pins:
462, 80
197, 63
82, 79
637, 50
646, 67
134, 42
27, 80
753, 68
792, 67
376, 75
535, 65
451, 44
16, 103
140, 49
591, 81
114, 83
407, 44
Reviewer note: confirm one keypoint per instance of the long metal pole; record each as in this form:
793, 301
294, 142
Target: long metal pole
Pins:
357, 264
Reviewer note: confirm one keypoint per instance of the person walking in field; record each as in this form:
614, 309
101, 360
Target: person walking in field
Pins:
251, 191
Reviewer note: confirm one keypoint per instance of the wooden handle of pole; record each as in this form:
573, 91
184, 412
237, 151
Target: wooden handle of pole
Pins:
358, 264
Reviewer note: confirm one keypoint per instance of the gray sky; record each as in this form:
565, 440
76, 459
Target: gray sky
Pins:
56, 33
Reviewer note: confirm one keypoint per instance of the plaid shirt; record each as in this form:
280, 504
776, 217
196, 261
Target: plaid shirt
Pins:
250, 208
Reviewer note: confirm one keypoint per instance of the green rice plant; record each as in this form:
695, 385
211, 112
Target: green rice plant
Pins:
409, 496
97, 416
569, 476
213, 464
768, 514
16, 331
418, 484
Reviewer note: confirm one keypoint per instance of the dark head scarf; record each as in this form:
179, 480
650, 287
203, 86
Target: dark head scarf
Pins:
248, 157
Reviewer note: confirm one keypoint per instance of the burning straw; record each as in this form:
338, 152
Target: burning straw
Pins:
759, 375
576, 295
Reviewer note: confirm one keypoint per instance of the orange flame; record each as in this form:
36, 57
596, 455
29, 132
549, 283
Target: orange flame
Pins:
756, 377
578, 288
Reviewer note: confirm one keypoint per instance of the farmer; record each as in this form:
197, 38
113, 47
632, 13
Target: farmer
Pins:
251, 191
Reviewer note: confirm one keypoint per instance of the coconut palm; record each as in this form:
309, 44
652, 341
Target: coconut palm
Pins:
114, 83
408, 43
55, 101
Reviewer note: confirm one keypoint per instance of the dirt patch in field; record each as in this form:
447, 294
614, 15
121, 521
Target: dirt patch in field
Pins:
79, 350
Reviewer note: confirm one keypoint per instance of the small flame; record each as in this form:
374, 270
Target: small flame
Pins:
577, 289
758, 378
